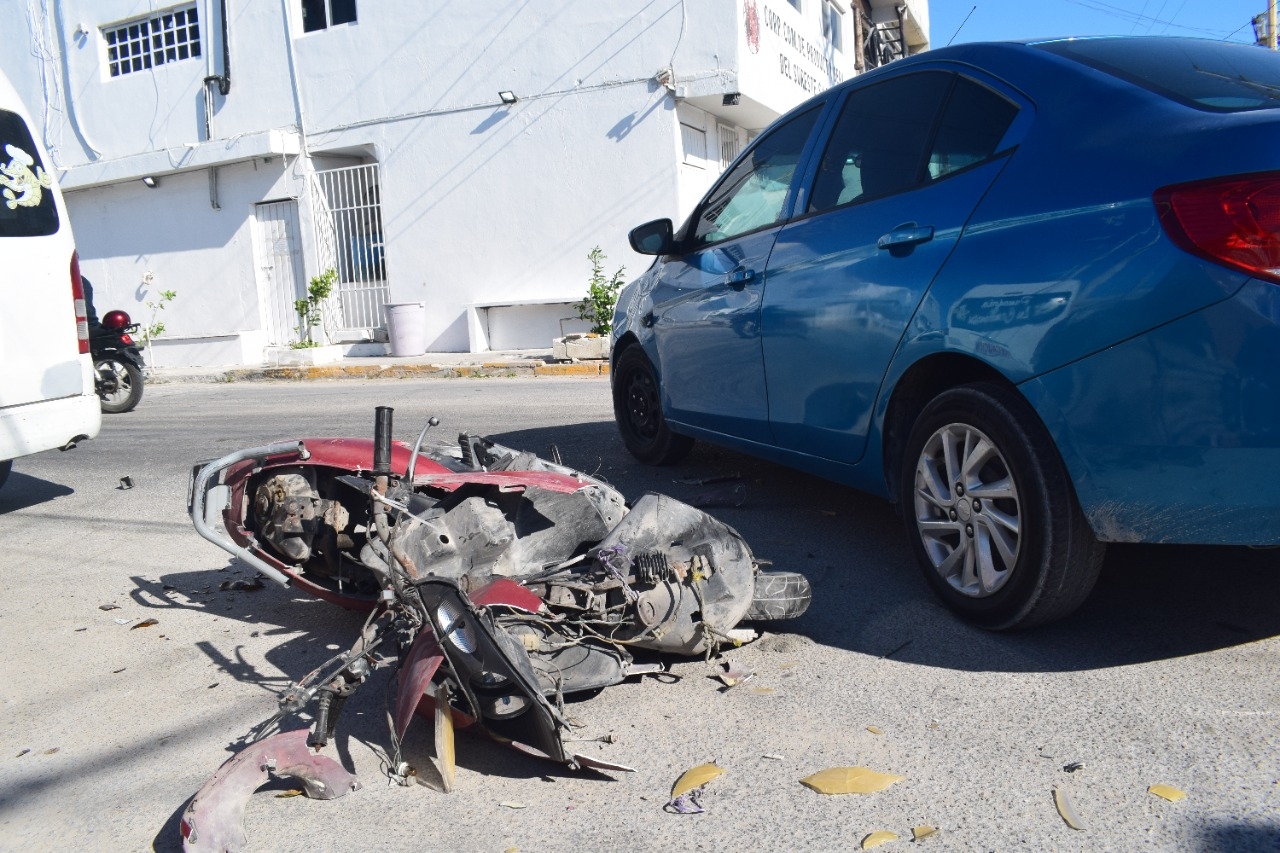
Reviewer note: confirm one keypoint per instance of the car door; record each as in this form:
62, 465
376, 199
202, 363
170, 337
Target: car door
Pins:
907, 162
706, 301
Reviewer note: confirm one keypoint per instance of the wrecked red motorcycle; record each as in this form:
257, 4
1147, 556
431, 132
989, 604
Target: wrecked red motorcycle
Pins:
497, 583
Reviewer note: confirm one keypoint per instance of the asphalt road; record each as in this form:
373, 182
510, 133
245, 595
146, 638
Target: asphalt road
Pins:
1167, 676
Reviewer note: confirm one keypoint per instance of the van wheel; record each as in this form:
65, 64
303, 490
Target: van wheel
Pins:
5, 467
637, 409
991, 513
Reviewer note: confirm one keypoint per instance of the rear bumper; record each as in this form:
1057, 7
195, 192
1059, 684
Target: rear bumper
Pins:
35, 427
1174, 436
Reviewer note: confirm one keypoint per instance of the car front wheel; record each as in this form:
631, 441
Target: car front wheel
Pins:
991, 513
637, 408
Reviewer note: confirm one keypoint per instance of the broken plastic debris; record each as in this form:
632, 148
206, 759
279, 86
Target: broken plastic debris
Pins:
514, 805
146, 623
850, 780
772, 757
126, 483
875, 730
23, 752
688, 803
108, 606
1167, 792
122, 621
292, 792
695, 777
919, 833
1066, 808
118, 671
734, 673
875, 839
1073, 766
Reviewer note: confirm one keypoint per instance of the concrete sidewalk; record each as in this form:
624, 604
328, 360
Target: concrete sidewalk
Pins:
443, 365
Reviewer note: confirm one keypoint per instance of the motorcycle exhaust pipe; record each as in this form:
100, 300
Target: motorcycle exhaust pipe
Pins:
382, 441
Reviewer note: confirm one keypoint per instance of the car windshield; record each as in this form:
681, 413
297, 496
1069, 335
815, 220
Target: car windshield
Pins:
1209, 75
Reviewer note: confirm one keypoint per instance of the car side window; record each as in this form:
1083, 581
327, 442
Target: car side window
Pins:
973, 123
754, 193
878, 145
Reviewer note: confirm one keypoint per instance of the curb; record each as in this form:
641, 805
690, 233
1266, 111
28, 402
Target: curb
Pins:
408, 371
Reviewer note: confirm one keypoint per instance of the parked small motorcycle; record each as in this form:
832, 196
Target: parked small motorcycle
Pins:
117, 362
498, 582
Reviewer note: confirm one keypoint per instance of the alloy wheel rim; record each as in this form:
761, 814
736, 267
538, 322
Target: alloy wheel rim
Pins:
967, 510
118, 378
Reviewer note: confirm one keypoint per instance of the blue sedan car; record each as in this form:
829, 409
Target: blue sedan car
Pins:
1030, 292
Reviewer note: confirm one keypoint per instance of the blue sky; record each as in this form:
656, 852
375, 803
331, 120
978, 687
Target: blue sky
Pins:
1018, 19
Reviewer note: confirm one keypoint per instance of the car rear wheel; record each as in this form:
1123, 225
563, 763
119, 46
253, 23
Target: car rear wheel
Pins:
637, 408
991, 513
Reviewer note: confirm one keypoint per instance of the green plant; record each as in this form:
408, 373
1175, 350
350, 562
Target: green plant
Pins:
311, 310
155, 328
602, 295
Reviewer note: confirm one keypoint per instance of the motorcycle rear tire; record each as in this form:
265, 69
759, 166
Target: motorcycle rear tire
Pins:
129, 381
779, 595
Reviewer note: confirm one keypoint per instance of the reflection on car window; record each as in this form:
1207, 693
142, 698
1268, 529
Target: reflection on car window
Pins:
879, 141
26, 201
753, 194
1209, 75
973, 123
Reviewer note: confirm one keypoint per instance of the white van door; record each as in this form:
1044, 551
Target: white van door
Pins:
39, 347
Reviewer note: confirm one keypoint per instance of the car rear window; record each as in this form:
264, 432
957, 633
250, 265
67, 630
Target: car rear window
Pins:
1209, 75
26, 203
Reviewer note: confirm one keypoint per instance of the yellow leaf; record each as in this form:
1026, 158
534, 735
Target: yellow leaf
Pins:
877, 838
875, 730
695, 778
1066, 808
921, 832
849, 780
1165, 792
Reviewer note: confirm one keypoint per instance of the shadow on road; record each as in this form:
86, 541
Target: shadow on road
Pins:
22, 491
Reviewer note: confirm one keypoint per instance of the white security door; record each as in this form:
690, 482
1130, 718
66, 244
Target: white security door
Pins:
279, 262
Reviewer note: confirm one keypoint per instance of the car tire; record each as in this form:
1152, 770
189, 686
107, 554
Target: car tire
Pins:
637, 409
991, 512
5, 467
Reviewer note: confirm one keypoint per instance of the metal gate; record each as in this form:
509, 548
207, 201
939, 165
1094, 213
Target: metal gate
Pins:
347, 212
279, 261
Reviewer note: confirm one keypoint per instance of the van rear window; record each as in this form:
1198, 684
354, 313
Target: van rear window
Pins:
26, 199
1208, 75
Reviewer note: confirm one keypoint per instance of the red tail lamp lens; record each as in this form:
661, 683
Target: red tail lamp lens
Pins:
1233, 221
115, 320
81, 307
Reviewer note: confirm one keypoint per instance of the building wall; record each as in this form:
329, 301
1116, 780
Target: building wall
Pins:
482, 202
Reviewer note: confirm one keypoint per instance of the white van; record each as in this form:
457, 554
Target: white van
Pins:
47, 397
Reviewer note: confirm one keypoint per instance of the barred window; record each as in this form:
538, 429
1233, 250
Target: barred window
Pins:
162, 37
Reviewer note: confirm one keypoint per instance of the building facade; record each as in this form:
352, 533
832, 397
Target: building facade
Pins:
466, 156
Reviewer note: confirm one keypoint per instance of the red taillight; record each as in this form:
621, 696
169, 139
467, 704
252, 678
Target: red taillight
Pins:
82, 311
116, 319
1233, 221
127, 340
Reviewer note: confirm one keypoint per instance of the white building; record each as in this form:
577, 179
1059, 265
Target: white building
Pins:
466, 155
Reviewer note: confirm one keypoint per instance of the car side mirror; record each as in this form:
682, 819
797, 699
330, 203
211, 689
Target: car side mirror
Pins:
653, 238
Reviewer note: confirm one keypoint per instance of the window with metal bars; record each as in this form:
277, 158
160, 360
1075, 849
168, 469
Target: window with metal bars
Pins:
322, 14
168, 36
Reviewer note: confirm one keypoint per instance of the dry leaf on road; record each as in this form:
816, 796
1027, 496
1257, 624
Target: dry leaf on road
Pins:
850, 780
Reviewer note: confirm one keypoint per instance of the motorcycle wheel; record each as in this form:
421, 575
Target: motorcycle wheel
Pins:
119, 385
779, 595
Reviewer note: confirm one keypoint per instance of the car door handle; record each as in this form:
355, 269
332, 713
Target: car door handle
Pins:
906, 234
738, 278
